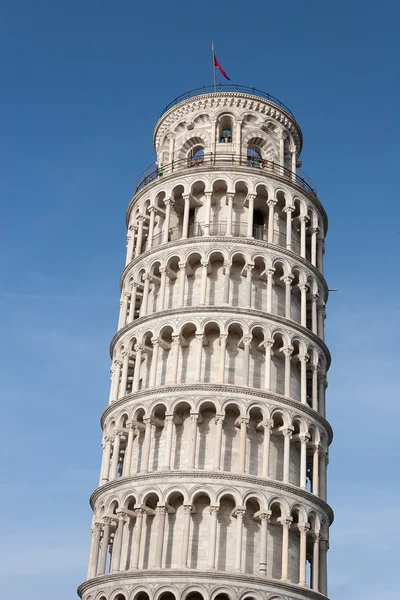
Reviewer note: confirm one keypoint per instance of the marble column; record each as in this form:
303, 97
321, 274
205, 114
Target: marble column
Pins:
193, 440
169, 424
288, 210
212, 536
186, 211
161, 512
240, 512
285, 548
230, 196
219, 420
105, 466
303, 528
128, 452
186, 535
287, 436
104, 545
268, 426
94, 551
148, 421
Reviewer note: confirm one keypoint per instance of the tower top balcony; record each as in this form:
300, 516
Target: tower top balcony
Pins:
227, 114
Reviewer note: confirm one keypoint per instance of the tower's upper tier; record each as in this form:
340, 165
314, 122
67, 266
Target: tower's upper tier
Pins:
230, 120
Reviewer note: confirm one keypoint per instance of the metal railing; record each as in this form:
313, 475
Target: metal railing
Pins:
220, 229
154, 172
221, 87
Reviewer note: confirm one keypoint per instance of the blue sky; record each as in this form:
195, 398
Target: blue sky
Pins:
82, 85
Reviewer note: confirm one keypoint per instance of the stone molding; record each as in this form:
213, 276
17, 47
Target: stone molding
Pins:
223, 240
216, 475
189, 577
229, 169
228, 100
209, 388
226, 309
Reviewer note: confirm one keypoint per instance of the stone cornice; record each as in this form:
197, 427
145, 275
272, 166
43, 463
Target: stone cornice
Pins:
192, 576
221, 476
224, 240
217, 100
206, 310
229, 169
210, 388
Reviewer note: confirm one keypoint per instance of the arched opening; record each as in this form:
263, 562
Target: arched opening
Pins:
174, 531
251, 537
230, 439
183, 438
196, 156
199, 532
215, 290
211, 353
254, 456
206, 435
274, 560
276, 449
225, 128
226, 531
187, 354
234, 355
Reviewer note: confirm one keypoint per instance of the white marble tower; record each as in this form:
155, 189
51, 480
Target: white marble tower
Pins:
215, 441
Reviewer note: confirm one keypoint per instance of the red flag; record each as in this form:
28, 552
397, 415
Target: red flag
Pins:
220, 69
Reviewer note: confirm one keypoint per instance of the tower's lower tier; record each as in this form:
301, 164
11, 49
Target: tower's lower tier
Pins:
177, 584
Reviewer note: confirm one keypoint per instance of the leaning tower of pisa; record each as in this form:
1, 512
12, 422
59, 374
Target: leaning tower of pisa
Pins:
215, 440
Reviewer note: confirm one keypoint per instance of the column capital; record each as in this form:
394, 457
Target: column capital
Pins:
227, 266
246, 341
303, 527
287, 432
214, 510
268, 344
139, 347
187, 509
314, 297
287, 351
140, 218
182, 265
303, 287
249, 266
169, 202
219, 418
152, 209
169, 418
268, 424
241, 420
97, 526
240, 512
304, 218
272, 202
199, 337
324, 544
230, 195
163, 270
285, 522
288, 280
194, 416
186, 197
148, 420
161, 509
304, 358
289, 209
155, 341
176, 338
304, 438
265, 515
107, 520
251, 196
316, 536
204, 263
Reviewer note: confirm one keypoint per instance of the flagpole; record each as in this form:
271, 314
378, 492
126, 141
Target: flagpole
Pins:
214, 69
